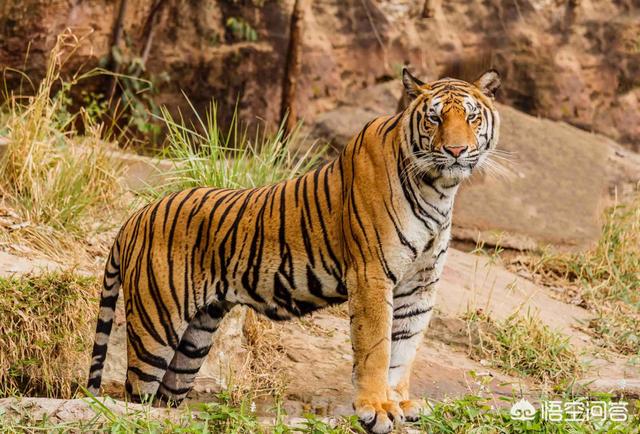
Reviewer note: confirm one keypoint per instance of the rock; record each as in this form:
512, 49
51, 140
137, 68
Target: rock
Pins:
556, 194
16, 265
140, 172
340, 125
571, 61
60, 411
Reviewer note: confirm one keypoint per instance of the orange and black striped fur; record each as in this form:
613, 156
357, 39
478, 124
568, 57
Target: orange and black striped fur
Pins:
372, 227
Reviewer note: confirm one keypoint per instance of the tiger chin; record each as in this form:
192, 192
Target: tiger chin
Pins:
371, 227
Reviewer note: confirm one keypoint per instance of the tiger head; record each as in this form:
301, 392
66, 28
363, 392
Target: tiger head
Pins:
451, 126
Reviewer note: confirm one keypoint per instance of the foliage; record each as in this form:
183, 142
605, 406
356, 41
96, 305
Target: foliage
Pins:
475, 414
471, 414
136, 107
216, 417
206, 155
524, 345
46, 333
241, 30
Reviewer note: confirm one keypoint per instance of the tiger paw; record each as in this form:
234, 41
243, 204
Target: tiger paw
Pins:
413, 409
378, 416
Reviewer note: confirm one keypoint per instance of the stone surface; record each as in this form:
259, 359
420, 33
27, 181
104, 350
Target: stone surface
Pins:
16, 265
576, 61
557, 188
57, 411
141, 172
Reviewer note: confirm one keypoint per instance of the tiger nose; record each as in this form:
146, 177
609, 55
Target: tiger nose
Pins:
455, 151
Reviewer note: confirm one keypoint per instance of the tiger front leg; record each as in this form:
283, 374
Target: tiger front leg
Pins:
412, 311
371, 312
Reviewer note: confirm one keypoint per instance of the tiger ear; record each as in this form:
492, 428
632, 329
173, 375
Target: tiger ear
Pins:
488, 83
412, 84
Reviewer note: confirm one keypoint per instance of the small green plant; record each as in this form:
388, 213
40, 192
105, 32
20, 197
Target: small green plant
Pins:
215, 417
205, 154
135, 109
525, 346
46, 333
241, 30
474, 414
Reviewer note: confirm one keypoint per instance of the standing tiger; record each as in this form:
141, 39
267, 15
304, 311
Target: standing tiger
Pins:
371, 227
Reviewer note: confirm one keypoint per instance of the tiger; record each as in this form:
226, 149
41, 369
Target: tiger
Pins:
370, 228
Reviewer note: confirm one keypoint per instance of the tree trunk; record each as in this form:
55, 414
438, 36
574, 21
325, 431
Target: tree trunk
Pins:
113, 63
288, 112
149, 30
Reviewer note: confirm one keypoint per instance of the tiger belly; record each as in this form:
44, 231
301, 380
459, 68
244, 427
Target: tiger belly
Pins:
283, 296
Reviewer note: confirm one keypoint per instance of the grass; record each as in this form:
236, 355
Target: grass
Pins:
605, 279
46, 333
474, 414
470, 414
524, 345
56, 181
219, 417
205, 154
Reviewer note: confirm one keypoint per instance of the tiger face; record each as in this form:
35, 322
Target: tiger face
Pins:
451, 126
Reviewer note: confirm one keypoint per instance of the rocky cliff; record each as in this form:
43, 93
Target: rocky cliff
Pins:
571, 60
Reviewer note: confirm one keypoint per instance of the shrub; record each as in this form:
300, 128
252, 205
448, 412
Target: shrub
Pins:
46, 333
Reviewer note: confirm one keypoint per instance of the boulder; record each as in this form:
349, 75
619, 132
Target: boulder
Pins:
561, 179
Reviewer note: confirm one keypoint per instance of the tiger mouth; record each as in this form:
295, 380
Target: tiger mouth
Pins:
458, 165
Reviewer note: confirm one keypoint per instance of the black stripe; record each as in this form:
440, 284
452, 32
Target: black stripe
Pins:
417, 287
186, 371
173, 391
94, 383
104, 326
403, 335
143, 376
412, 313
109, 301
142, 353
192, 351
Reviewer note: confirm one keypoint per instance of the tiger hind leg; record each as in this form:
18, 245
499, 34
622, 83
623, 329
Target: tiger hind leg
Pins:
188, 358
147, 362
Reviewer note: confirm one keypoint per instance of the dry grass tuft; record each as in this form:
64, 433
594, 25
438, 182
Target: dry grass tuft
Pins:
56, 181
605, 280
46, 333
264, 376
525, 346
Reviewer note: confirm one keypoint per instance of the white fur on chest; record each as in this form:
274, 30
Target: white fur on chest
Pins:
428, 264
